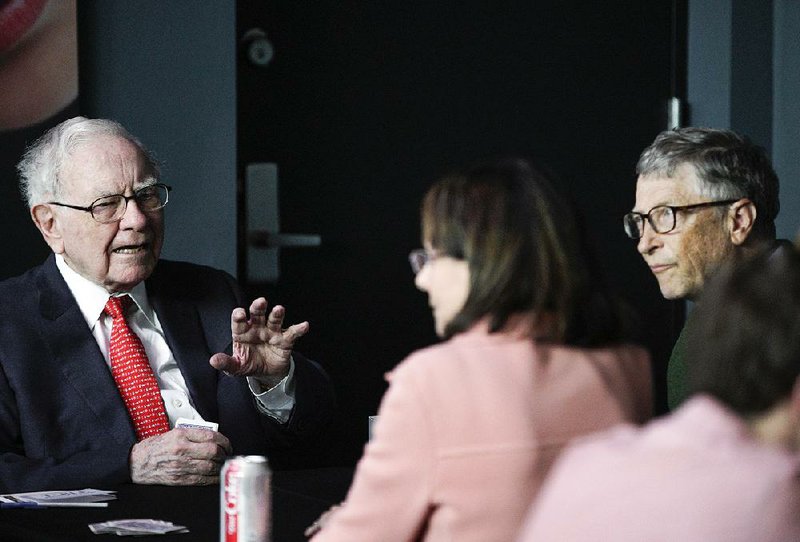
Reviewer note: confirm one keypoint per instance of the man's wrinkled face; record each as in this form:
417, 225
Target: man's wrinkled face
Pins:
685, 257
120, 254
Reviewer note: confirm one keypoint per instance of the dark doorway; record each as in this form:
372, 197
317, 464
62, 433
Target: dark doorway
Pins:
364, 104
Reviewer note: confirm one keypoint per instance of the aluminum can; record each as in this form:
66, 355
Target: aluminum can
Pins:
244, 500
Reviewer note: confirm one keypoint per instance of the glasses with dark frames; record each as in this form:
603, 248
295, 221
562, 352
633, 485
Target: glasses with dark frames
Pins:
662, 218
112, 208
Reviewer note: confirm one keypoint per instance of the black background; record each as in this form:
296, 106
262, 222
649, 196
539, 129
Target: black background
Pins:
366, 103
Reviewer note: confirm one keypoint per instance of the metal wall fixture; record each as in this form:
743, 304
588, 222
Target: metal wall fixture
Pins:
264, 240
257, 47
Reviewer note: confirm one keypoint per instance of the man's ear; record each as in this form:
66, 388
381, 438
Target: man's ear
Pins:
742, 217
47, 222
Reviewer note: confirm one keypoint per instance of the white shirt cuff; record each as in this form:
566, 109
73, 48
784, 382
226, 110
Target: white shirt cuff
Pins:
278, 401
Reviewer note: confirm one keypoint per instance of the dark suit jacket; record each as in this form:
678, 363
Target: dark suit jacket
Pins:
62, 421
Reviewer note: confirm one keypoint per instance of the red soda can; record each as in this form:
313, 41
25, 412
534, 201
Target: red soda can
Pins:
244, 500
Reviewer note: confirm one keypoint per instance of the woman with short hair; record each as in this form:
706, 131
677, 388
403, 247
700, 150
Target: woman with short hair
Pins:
533, 357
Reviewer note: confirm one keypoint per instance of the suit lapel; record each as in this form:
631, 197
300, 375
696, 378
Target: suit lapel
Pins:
77, 356
183, 331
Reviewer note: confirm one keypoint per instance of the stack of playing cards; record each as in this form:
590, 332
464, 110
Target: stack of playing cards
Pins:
137, 527
71, 497
196, 424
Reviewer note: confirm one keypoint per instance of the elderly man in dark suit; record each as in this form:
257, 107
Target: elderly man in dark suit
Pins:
105, 346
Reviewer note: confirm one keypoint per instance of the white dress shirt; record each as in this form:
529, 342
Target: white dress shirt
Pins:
276, 402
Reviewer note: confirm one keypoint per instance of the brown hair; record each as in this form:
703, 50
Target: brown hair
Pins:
524, 252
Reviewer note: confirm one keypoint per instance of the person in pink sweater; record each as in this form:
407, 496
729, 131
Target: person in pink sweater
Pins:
533, 357
724, 467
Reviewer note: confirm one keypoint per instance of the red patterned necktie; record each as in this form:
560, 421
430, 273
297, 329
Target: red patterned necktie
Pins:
131, 371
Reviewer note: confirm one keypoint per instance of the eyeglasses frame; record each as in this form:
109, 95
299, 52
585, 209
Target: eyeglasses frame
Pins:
90, 209
421, 255
675, 209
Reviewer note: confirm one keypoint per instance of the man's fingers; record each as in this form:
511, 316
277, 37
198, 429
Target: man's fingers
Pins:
300, 329
290, 335
238, 321
204, 444
223, 362
204, 467
258, 310
196, 434
239, 315
275, 320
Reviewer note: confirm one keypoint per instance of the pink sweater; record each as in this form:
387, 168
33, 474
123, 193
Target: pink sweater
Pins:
695, 476
469, 428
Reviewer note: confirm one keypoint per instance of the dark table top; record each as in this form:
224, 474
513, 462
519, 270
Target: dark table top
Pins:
298, 498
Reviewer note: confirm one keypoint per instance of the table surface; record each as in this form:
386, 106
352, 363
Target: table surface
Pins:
298, 498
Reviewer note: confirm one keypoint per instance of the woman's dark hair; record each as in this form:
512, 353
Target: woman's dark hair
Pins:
743, 342
521, 242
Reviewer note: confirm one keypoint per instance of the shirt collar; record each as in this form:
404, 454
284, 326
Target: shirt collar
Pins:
91, 297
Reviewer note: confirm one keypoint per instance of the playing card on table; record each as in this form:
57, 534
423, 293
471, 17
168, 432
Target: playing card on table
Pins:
133, 527
65, 496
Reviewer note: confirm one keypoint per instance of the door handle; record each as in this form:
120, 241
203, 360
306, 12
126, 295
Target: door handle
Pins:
264, 238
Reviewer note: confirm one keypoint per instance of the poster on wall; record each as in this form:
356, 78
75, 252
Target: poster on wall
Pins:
38, 89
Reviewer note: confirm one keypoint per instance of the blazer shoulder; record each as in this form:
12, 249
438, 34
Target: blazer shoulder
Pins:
19, 292
30, 277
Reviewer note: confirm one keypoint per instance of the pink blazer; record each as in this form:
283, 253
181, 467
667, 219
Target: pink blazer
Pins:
469, 428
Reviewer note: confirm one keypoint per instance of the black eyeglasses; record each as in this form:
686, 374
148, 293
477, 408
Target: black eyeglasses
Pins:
112, 208
662, 217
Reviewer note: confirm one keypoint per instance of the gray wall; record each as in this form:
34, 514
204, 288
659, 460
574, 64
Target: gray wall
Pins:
786, 113
743, 74
166, 70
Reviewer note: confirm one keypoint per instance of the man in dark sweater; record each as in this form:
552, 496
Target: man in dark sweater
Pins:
703, 197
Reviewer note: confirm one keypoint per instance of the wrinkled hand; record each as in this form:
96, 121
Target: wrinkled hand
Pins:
323, 520
261, 347
181, 457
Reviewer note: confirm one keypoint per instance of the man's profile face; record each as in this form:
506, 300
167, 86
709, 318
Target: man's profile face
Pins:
120, 254
685, 257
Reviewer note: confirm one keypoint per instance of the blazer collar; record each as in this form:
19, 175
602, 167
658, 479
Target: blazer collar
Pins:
183, 329
76, 354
